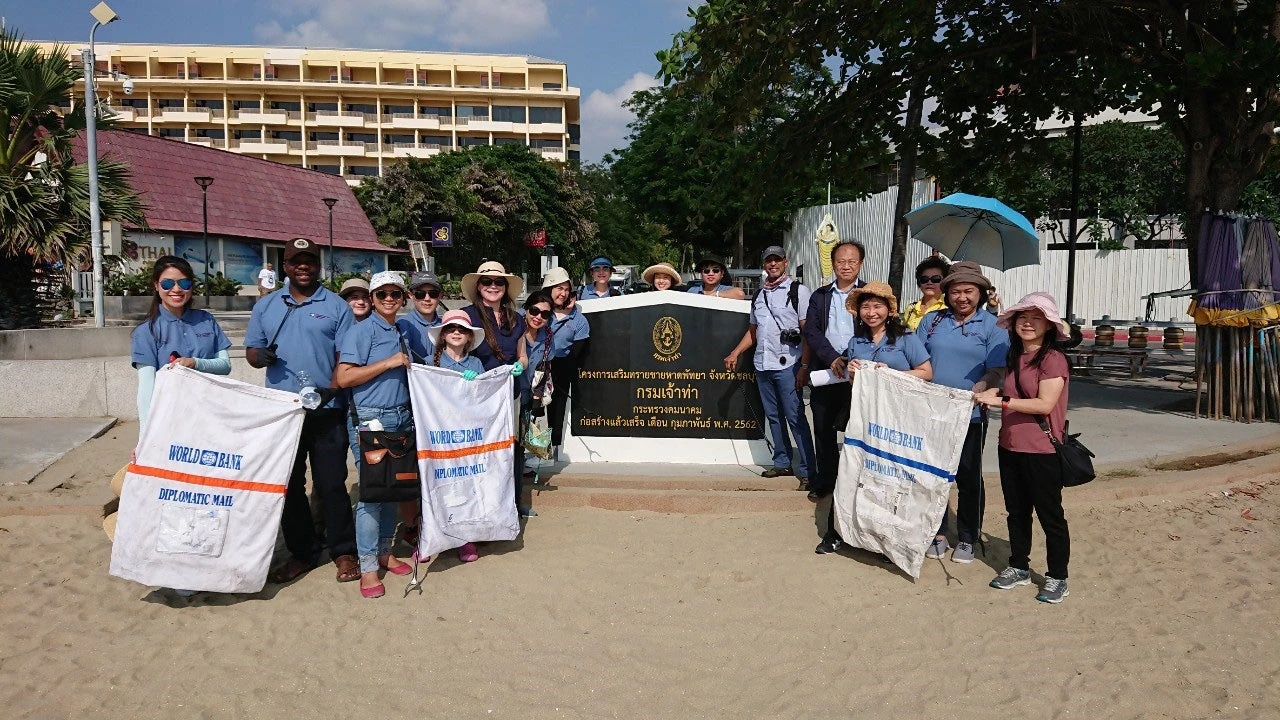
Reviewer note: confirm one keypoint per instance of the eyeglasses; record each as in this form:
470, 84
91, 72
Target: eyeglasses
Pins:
423, 293
711, 269
455, 328
847, 263
928, 279
537, 312
488, 281
389, 294
168, 283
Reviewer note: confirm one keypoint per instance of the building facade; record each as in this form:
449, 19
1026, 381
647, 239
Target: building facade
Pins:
342, 112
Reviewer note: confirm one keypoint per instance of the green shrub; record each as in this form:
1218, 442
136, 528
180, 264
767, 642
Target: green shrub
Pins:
219, 285
334, 284
136, 283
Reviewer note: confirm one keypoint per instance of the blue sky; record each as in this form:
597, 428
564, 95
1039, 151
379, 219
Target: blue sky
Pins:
608, 44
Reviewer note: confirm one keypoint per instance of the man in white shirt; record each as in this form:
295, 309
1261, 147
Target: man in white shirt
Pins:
266, 281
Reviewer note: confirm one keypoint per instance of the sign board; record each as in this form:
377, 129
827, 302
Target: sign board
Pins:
442, 234
652, 386
536, 238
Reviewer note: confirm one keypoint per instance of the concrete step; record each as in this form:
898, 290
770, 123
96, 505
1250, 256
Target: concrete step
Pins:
688, 502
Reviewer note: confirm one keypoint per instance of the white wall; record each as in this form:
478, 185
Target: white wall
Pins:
1107, 282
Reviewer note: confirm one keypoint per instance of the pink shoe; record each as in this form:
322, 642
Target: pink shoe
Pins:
421, 558
467, 553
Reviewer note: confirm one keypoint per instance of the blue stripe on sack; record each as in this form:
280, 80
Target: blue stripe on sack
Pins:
932, 470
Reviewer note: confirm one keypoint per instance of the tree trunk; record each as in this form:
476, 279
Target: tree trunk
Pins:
18, 307
906, 188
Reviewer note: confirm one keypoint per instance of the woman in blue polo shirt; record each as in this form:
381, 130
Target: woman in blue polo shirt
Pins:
373, 362
968, 352
879, 338
173, 333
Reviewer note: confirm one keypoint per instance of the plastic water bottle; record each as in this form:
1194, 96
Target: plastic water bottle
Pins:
374, 425
307, 391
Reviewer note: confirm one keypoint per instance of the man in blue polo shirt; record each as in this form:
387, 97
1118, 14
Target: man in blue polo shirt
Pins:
425, 289
775, 329
569, 333
295, 330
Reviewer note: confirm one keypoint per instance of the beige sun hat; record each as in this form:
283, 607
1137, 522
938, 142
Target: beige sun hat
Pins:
490, 269
353, 284
662, 269
554, 277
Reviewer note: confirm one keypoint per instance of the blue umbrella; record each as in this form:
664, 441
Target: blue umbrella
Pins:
981, 229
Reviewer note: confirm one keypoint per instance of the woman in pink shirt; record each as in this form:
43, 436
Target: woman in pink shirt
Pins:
1035, 386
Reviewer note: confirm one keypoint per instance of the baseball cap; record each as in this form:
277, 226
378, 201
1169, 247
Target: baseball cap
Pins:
298, 246
773, 250
422, 277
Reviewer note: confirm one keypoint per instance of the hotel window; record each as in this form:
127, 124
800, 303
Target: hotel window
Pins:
575, 134
246, 134
540, 143
254, 105
362, 137
137, 103
552, 86
429, 110
176, 133
366, 109
211, 104
316, 136
322, 107
397, 139
363, 170
285, 105
545, 115
330, 169
397, 109
443, 141
169, 103
215, 134
508, 113
508, 141
472, 141
286, 135
481, 111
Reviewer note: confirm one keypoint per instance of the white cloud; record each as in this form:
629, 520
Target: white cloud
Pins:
479, 25
604, 119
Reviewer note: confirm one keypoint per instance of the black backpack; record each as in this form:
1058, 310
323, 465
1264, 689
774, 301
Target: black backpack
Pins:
793, 296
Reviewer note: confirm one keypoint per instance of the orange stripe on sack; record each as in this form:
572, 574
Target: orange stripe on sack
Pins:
205, 480
463, 452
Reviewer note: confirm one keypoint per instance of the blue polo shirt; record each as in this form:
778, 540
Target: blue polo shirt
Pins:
535, 351
588, 292
469, 362
371, 341
308, 339
195, 335
906, 354
567, 330
696, 289
963, 352
772, 313
416, 333
508, 339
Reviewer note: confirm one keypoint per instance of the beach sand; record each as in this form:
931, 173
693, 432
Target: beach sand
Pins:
1172, 614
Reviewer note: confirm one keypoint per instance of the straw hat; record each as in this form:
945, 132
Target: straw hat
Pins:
554, 277
1041, 301
490, 269
662, 269
875, 288
353, 284
456, 317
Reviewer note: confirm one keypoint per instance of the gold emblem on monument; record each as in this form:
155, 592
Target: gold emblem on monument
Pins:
666, 339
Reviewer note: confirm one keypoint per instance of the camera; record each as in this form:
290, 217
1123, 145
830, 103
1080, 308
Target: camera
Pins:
790, 337
128, 86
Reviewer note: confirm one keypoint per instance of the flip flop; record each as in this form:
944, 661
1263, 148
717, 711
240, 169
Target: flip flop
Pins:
348, 568
290, 571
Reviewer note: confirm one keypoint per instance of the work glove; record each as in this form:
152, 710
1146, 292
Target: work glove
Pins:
517, 368
469, 375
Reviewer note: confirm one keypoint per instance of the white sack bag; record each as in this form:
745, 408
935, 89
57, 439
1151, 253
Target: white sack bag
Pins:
201, 507
466, 435
900, 454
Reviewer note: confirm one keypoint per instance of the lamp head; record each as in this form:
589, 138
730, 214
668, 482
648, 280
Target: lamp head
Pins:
104, 14
204, 181
330, 202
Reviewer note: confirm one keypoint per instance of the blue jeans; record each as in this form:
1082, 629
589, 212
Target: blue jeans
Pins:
780, 399
376, 522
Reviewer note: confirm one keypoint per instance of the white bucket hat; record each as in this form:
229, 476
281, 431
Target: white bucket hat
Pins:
554, 277
387, 277
490, 269
456, 317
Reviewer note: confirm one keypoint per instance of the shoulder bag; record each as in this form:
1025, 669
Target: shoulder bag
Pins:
388, 461
1074, 459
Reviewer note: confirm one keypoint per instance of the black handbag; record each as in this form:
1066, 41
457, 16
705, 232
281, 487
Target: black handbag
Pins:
388, 461
1074, 459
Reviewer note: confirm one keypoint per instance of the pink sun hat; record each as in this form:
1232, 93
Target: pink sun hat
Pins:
462, 319
1041, 301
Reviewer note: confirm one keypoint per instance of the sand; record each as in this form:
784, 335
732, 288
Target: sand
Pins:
1172, 614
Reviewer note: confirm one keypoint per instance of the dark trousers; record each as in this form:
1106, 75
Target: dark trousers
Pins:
325, 440
971, 494
564, 376
1033, 481
830, 407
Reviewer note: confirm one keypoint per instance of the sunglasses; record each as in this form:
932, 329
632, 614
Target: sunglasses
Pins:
423, 293
538, 312
711, 269
391, 294
488, 282
168, 283
928, 279
455, 328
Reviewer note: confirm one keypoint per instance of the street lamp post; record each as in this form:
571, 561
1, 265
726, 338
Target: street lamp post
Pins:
330, 202
204, 182
102, 15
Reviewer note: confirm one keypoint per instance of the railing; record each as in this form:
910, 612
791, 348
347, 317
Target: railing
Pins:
85, 293
293, 114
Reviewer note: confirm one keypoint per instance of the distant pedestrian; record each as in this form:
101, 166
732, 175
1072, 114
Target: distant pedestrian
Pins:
1034, 391
266, 280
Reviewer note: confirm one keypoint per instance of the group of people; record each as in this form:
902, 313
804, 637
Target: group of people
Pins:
356, 343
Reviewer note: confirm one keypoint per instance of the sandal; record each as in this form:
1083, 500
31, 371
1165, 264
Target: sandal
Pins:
401, 568
290, 571
348, 568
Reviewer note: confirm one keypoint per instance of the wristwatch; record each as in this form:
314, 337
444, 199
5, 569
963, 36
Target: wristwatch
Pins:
1004, 402
804, 366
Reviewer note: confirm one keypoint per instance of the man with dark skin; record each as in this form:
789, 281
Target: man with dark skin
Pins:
294, 333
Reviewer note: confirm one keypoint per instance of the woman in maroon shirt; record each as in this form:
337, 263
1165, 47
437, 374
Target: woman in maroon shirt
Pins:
1035, 387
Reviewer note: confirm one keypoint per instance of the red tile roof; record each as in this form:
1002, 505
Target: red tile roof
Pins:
249, 197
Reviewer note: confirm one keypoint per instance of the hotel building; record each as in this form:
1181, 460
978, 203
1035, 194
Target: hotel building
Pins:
343, 112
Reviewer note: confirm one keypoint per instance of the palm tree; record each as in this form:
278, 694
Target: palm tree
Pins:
44, 192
